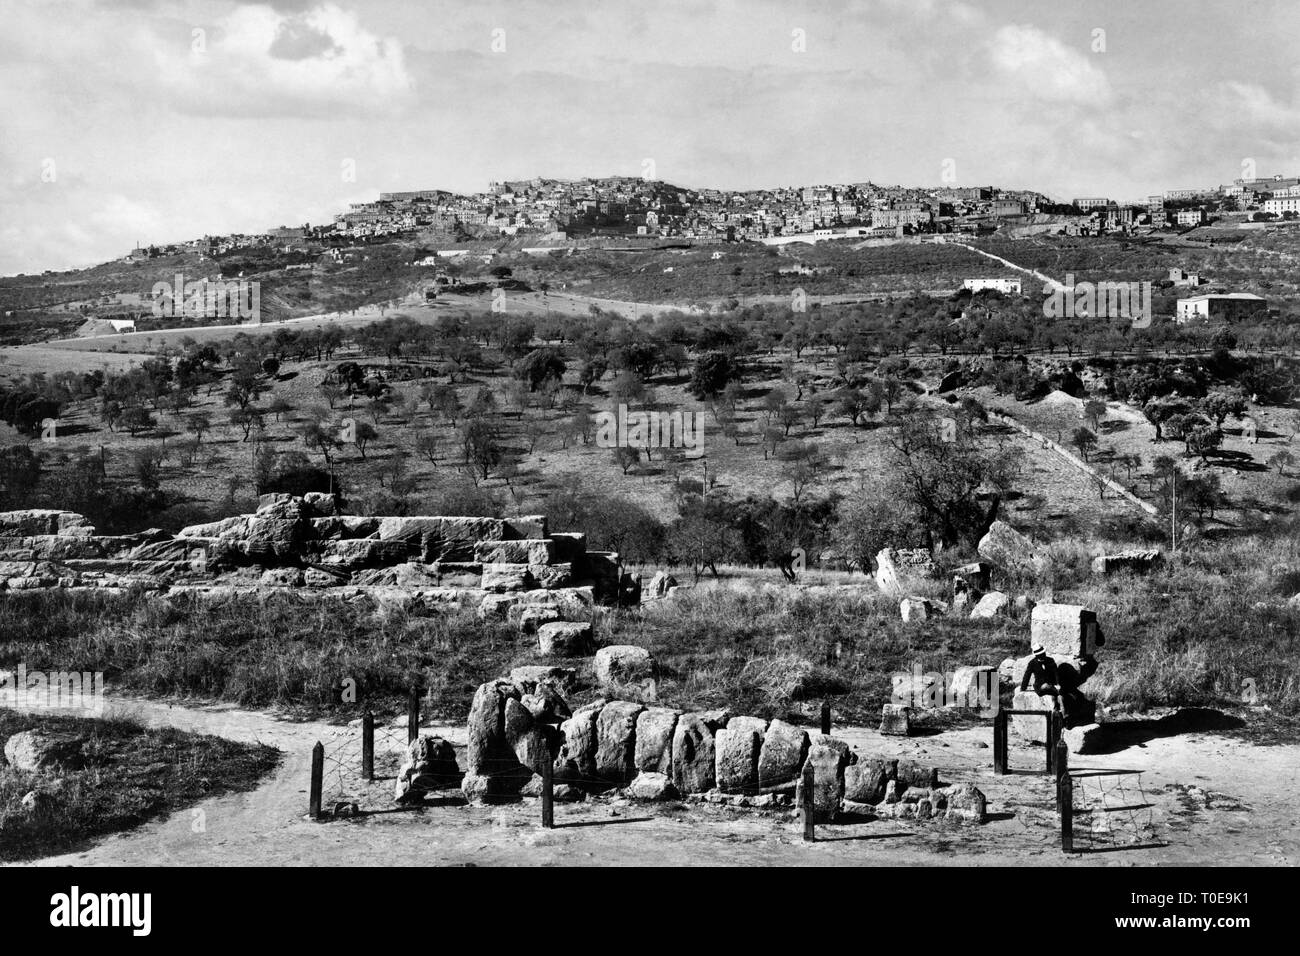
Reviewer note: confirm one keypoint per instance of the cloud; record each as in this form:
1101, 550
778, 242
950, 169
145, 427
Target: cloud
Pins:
260, 61
1044, 68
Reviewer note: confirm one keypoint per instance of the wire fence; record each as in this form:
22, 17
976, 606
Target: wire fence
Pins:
359, 773
1110, 810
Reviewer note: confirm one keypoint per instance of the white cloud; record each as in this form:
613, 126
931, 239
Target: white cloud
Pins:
259, 61
1045, 68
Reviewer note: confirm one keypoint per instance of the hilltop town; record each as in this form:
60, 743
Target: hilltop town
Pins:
646, 211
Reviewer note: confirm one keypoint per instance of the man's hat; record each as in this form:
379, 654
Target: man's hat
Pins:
1037, 647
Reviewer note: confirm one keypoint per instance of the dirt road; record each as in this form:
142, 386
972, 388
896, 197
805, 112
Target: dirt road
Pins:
1212, 799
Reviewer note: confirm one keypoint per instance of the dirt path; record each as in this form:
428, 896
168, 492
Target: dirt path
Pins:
1214, 800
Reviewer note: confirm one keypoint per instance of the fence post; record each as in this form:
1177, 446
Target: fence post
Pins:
548, 793
1065, 800
826, 718
1062, 766
412, 714
1000, 742
806, 802
317, 779
1049, 740
368, 745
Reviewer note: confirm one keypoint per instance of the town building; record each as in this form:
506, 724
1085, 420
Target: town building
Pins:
1221, 307
1005, 286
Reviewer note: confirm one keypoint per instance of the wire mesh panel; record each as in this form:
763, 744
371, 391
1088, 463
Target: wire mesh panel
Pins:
345, 787
1111, 810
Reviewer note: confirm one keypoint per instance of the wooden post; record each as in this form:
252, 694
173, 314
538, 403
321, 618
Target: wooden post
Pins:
806, 802
826, 718
1062, 766
317, 779
1065, 802
368, 745
548, 793
1000, 742
412, 714
1049, 740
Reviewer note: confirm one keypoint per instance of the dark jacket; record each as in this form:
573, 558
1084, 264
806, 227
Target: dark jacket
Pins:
1041, 673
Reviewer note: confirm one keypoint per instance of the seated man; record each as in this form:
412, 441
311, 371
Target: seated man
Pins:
1060, 681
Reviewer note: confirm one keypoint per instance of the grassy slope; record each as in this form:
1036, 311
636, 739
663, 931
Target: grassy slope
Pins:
130, 775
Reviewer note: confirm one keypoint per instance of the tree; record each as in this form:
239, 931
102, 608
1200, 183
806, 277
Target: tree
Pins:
1281, 460
246, 419
711, 375
1222, 402
700, 540
1093, 412
628, 388
481, 448
198, 425
362, 435
280, 406
626, 457
331, 392
941, 480
1083, 440
538, 366
137, 418
427, 445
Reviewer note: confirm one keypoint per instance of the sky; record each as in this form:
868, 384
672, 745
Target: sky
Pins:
150, 122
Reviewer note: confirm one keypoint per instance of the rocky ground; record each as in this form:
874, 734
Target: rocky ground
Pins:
1178, 793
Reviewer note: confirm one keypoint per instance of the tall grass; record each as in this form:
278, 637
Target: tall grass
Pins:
1192, 633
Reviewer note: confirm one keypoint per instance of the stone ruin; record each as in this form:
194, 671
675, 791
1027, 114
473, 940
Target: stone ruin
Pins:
517, 724
305, 544
1067, 632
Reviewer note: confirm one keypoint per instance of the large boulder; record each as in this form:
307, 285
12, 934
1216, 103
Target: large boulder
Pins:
650, 785
828, 756
430, 765
504, 578
1068, 630
32, 750
493, 766
915, 775
527, 677
1012, 551
976, 576
624, 664
524, 551
576, 761
1134, 561
565, 638
654, 740
897, 568
660, 584
616, 740
867, 780
991, 605
694, 749
527, 736
781, 757
737, 751
544, 702
895, 720
919, 609
965, 804
1085, 738
36, 521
